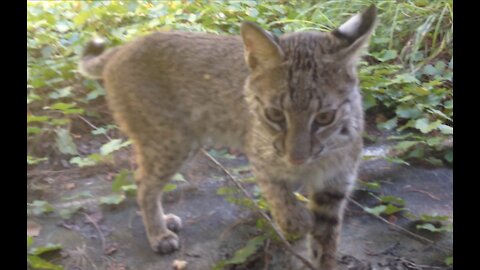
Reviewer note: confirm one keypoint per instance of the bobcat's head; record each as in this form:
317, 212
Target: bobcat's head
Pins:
303, 87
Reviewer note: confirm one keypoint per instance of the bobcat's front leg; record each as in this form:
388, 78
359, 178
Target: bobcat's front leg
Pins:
327, 207
287, 211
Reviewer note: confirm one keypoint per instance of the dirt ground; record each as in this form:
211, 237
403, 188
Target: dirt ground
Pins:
112, 237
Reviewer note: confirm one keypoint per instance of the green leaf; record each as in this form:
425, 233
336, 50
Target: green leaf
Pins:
433, 141
130, 189
66, 213
392, 199
97, 92
369, 101
419, 90
440, 66
66, 108
447, 130
60, 122
377, 210
405, 78
432, 228
433, 217
62, 27
169, 187
65, 142
409, 215
407, 112
29, 241
405, 145
449, 156
430, 70
90, 160
33, 160
33, 130
417, 152
388, 125
103, 130
123, 178
435, 161
113, 199
112, 146
251, 247
40, 207
448, 104
179, 177
371, 185
43, 249
425, 126
82, 17
35, 118
385, 55
392, 209
252, 12
39, 263
225, 191
61, 93
406, 98
396, 160
449, 261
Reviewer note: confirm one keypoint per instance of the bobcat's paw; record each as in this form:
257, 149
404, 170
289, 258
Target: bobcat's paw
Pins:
165, 243
173, 222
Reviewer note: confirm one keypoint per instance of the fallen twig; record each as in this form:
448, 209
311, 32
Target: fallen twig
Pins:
266, 256
96, 227
284, 241
93, 126
423, 192
419, 237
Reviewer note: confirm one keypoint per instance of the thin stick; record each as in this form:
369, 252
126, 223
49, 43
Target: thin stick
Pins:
93, 126
424, 192
98, 229
402, 229
259, 210
46, 172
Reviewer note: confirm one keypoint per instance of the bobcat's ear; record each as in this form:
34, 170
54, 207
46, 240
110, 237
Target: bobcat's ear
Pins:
261, 48
356, 31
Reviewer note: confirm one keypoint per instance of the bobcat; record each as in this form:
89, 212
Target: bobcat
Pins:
292, 103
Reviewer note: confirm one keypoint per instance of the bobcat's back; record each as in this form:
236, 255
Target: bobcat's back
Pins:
191, 81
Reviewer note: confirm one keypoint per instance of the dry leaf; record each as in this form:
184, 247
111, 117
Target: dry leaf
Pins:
110, 248
70, 186
179, 264
33, 229
392, 219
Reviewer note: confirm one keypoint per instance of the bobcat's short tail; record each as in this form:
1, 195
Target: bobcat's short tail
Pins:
94, 59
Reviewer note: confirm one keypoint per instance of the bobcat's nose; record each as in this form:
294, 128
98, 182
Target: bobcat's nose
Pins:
297, 160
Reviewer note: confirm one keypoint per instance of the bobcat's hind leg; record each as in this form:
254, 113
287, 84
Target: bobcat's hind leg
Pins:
158, 161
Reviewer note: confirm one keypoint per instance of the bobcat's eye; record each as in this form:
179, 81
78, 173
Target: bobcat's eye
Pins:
274, 115
325, 118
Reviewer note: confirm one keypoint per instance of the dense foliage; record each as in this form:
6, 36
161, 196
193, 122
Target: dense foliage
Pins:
407, 84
